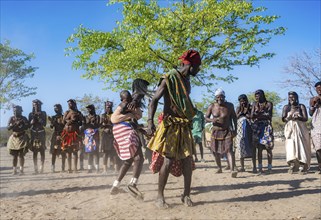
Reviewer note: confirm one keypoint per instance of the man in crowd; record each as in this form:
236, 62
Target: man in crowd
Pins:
173, 138
223, 131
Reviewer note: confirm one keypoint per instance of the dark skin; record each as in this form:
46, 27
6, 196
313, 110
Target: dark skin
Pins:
244, 109
56, 123
315, 102
92, 120
261, 110
294, 112
107, 128
38, 121
138, 158
18, 123
72, 120
223, 117
186, 71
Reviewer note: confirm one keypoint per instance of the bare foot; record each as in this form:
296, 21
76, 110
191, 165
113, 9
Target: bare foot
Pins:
234, 174
219, 170
114, 190
187, 201
160, 203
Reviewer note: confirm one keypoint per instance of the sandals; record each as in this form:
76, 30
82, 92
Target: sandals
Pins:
133, 191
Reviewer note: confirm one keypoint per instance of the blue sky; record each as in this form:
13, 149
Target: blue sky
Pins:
42, 27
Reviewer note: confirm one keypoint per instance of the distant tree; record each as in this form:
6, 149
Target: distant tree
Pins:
204, 103
13, 72
303, 71
89, 99
150, 38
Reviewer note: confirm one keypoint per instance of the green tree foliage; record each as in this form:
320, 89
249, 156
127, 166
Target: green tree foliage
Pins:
303, 71
151, 37
90, 99
204, 103
278, 126
13, 72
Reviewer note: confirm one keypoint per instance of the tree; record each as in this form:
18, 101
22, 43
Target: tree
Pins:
304, 71
204, 103
89, 99
150, 38
13, 72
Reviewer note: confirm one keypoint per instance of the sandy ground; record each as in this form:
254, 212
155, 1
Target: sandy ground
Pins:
216, 196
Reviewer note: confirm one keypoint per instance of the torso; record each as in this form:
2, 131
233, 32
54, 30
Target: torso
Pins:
58, 123
75, 119
106, 124
92, 121
262, 110
222, 113
20, 123
39, 120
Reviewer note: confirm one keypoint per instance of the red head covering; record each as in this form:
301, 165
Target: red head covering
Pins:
191, 57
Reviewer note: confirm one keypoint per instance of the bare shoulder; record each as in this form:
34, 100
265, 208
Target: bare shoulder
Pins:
229, 105
211, 105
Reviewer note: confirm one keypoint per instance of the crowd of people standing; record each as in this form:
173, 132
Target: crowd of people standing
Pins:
117, 135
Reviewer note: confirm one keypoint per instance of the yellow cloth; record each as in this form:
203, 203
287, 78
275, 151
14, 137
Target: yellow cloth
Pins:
173, 138
18, 142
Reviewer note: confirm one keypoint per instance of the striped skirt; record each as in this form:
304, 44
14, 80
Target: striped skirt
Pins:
126, 140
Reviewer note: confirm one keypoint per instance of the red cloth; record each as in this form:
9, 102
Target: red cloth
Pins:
191, 57
176, 168
160, 117
69, 139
